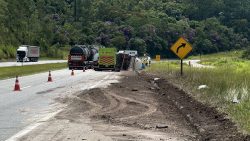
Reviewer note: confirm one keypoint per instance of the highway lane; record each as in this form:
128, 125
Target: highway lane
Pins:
196, 64
193, 63
36, 100
9, 64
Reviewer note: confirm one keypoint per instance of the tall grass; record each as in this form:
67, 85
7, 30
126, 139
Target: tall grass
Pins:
7, 52
54, 52
225, 84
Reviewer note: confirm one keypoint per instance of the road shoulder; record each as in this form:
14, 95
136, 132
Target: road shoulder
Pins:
138, 108
127, 110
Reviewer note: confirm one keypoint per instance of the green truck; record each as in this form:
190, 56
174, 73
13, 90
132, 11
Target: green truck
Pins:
107, 60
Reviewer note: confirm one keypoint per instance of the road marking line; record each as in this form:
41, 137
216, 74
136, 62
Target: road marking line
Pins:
25, 87
32, 127
99, 82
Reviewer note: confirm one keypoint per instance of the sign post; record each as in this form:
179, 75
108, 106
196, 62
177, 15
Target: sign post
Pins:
158, 58
181, 67
181, 48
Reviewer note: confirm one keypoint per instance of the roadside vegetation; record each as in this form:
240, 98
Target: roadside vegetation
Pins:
227, 85
150, 26
10, 72
8, 52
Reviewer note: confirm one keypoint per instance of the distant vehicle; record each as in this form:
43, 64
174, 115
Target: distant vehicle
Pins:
131, 53
27, 53
83, 57
107, 60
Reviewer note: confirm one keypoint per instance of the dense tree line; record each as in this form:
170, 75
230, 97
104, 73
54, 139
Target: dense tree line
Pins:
150, 26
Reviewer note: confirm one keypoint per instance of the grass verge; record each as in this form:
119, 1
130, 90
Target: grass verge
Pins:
233, 58
225, 84
10, 72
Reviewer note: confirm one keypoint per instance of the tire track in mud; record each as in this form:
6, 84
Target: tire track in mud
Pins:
151, 108
116, 104
124, 111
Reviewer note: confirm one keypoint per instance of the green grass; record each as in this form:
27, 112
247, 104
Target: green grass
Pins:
7, 51
225, 82
223, 58
10, 72
230, 54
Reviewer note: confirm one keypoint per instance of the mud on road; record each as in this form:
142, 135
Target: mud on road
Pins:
137, 108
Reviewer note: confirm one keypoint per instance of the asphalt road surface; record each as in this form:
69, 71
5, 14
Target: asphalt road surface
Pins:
196, 64
35, 102
9, 64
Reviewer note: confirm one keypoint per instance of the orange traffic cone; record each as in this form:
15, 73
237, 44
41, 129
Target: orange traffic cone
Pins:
49, 78
17, 86
72, 73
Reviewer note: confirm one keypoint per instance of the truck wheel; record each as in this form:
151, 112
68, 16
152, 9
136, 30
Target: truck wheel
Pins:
30, 59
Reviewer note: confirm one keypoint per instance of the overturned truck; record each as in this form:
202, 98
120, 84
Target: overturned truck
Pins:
126, 58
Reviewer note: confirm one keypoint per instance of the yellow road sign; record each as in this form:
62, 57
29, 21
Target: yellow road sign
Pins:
181, 48
158, 58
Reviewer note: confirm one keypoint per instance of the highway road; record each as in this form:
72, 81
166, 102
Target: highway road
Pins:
9, 64
196, 64
193, 63
36, 100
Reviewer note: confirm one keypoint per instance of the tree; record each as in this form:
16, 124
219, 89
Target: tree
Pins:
119, 42
137, 44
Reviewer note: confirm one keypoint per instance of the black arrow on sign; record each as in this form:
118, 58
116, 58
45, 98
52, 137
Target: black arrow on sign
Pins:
183, 45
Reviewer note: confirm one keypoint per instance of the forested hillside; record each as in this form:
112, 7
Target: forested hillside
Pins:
145, 25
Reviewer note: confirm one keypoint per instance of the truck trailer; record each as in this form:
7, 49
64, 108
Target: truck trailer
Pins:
27, 53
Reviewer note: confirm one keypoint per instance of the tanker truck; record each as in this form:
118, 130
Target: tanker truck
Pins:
83, 57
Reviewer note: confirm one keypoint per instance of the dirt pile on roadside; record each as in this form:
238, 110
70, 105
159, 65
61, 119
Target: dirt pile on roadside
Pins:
128, 110
210, 124
141, 108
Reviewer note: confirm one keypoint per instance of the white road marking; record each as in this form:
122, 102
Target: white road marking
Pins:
32, 127
25, 87
98, 83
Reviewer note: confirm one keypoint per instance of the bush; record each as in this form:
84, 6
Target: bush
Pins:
7, 52
56, 52
246, 54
